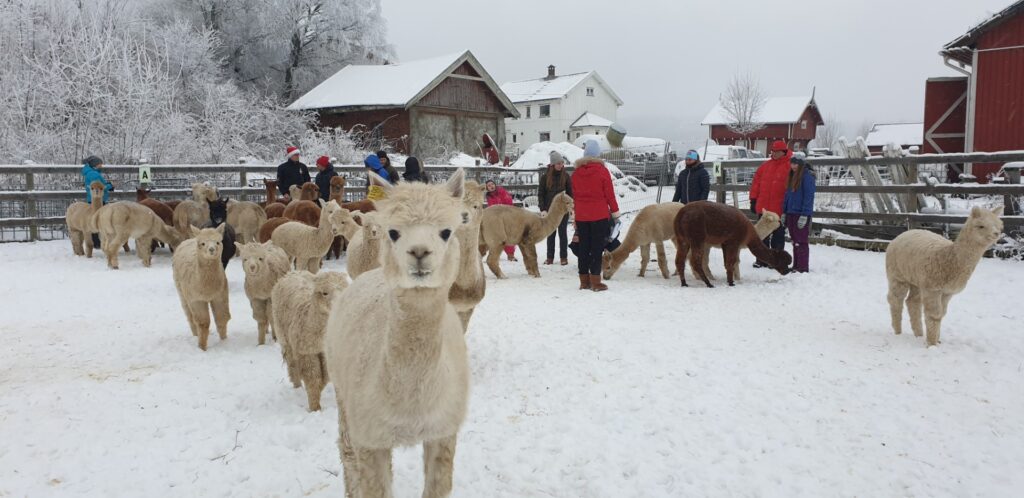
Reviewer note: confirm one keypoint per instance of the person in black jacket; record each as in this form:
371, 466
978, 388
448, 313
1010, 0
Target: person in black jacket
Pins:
291, 172
694, 182
414, 171
325, 171
553, 181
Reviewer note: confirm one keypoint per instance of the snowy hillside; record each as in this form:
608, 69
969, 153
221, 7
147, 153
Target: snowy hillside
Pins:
781, 386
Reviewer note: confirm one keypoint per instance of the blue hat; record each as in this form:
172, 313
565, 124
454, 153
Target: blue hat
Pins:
592, 149
692, 154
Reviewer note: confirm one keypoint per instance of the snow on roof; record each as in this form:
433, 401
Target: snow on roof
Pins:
590, 119
972, 35
776, 110
543, 88
381, 85
897, 133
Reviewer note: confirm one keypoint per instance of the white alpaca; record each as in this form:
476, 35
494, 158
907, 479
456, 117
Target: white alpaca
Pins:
196, 211
119, 221
395, 346
927, 270
246, 218
264, 265
470, 285
306, 245
201, 282
78, 218
301, 303
364, 247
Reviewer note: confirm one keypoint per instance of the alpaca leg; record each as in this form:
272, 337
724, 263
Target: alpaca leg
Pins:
464, 316
438, 465
493, 257
645, 257
374, 472
945, 307
348, 455
731, 254
897, 294
530, 259
932, 316
659, 247
221, 315
707, 260
683, 248
188, 316
312, 377
76, 242
697, 260
260, 310
201, 314
144, 247
313, 264
915, 310
290, 360
89, 244
113, 248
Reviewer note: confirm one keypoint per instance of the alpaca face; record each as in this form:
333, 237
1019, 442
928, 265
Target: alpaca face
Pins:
254, 257
209, 242
342, 222
327, 210
203, 192
96, 188
326, 285
371, 228
218, 211
419, 252
983, 227
337, 185
474, 202
566, 201
310, 191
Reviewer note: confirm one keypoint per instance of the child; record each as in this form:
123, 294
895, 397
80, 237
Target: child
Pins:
797, 208
91, 173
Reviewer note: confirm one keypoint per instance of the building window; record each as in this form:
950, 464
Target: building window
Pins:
803, 125
527, 112
545, 136
577, 134
545, 111
513, 138
590, 91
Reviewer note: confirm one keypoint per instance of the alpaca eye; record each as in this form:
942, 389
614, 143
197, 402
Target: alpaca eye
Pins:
394, 235
445, 234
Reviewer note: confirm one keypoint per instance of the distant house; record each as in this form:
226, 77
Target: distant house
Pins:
559, 108
794, 120
906, 135
982, 111
425, 108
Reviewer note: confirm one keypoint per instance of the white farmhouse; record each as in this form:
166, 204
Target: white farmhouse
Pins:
559, 108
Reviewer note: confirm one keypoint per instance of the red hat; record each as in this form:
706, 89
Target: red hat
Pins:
323, 161
779, 145
291, 151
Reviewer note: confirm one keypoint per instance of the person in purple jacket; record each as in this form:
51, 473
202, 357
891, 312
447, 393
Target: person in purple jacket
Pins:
797, 207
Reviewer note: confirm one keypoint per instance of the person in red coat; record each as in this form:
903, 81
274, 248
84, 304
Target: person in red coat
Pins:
497, 195
769, 190
595, 208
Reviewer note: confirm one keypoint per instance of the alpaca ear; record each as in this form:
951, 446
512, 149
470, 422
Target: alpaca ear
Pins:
322, 203
238, 246
220, 229
998, 211
194, 230
976, 212
358, 217
456, 185
377, 180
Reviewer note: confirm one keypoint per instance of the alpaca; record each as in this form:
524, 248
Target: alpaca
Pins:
120, 221
305, 208
196, 211
275, 210
337, 195
701, 223
267, 229
271, 194
79, 220
305, 244
218, 217
301, 302
201, 282
264, 265
164, 211
364, 246
503, 225
927, 270
470, 285
246, 218
395, 347
363, 206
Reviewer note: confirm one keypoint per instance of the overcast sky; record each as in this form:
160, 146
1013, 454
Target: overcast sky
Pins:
669, 60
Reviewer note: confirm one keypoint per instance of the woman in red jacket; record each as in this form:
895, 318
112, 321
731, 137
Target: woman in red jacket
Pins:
497, 195
595, 208
769, 190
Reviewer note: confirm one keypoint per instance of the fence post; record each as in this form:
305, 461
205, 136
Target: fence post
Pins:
720, 196
31, 210
242, 178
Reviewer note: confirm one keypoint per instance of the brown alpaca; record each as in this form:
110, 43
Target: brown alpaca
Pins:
267, 229
503, 225
271, 196
275, 210
363, 206
703, 223
305, 209
337, 195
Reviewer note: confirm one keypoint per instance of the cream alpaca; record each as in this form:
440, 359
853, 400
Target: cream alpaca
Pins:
927, 270
301, 304
120, 221
264, 265
364, 247
79, 220
470, 285
502, 226
305, 244
395, 346
196, 211
201, 283
246, 218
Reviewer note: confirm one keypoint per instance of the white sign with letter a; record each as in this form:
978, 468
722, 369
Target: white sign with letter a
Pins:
145, 175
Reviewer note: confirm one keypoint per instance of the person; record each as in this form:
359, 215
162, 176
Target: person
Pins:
385, 161
489, 150
595, 209
414, 171
373, 163
693, 182
291, 172
552, 182
91, 172
768, 191
797, 208
497, 195
325, 171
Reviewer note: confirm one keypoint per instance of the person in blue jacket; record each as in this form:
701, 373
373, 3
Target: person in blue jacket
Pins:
693, 182
374, 164
91, 173
797, 208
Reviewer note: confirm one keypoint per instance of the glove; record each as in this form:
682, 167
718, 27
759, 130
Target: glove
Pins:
802, 222
615, 215
753, 206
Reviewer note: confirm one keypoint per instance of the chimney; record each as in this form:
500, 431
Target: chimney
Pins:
551, 72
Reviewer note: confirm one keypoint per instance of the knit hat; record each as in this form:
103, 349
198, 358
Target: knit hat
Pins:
799, 161
779, 145
323, 161
592, 149
692, 154
556, 157
291, 151
93, 161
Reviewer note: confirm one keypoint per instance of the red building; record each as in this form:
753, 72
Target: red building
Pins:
794, 120
983, 111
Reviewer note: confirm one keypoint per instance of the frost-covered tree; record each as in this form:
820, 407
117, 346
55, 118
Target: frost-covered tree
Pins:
828, 134
742, 103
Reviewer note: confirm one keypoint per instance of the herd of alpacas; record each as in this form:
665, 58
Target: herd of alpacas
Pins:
415, 274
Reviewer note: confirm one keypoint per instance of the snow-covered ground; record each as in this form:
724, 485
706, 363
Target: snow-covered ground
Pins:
781, 386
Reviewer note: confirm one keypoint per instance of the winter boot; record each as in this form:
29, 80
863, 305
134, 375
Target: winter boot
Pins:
596, 285
549, 261
584, 281
564, 262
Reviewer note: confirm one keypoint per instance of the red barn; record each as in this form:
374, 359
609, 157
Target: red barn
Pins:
794, 120
984, 111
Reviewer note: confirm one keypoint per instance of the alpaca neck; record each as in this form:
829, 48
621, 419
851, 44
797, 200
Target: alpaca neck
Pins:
470, 264
97, 201
324, 232
620, 254
757, 247
209, 265
965, 254
550, 222
414, 335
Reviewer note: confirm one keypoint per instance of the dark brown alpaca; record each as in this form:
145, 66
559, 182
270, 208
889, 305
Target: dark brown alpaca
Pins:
165, 212
274, 205
305, 208
267, 229
703, 222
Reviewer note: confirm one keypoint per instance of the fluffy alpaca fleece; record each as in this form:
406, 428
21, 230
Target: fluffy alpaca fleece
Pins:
364, 246
162, 209
708, 223
305, 207
194, 212
305, 244
470, 285
267, 229
79, 220
119, 221
337, 195
503, 225
264, 265
301, 303
246, 218
395, 348
927, 270
201, 282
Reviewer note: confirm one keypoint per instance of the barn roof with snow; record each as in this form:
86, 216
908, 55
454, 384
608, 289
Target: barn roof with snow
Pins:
961, 49
778, 110
902, 134
550, 88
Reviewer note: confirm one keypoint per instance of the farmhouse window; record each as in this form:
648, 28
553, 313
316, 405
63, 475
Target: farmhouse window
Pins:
803, 125
527, 112
545, 136
513, 138
590, 91
545, 110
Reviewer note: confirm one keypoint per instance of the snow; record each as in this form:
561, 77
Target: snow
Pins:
780, 386
543, 88
386, 85
538, 155
634, 144
591, 119
902, 134
776, 110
